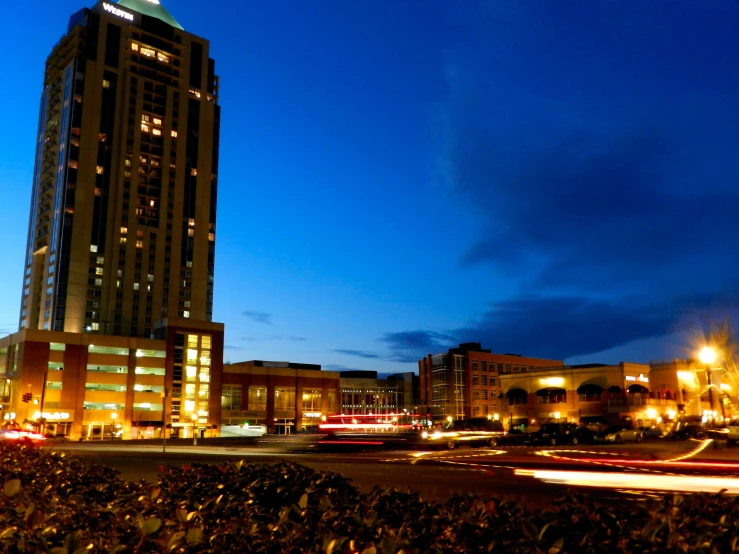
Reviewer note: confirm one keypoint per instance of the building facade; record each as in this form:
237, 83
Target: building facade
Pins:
363, 393
122, 222
465, 381
285, 397
587, 393
87, 386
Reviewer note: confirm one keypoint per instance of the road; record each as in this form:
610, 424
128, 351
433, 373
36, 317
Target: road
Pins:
532, 475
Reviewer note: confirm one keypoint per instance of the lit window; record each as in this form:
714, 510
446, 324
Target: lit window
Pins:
145, 117
189, 405
139, 244
73, 164
191, 232
145, 127
150, 277
174, 134
93, 248
186, 314
106, 83
134, 47
152, 203
123, 240
124, 230
193, 172
118, 284
191, 371
157, 132
192, 355
211, 237
98, 271
99, 169
128, 163
191, 222
100, 259
148, 52
157, 121
192, 341
95, 326
162, 58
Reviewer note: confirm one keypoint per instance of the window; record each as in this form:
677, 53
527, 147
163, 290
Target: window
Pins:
312, 401
284, 399
156, 132
145, 127
475, 379
484, 380
106, 83
174, 135
231, 397
257, 398
162, 58
93, 248
134, 47
148, 52
484, 394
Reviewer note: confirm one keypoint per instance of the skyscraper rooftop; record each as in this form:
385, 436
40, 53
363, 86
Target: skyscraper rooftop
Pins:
152, 8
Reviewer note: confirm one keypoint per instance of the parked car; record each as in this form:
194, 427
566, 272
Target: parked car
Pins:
733, 432
652, 432
621, 433
557, 433
476, 431
515, 437
689, 431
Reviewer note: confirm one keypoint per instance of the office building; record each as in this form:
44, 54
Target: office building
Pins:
364, 393
285, 397
122, 224
465, 381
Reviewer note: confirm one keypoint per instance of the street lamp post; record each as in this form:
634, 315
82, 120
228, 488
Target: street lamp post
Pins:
194, 429
707, 356
113, 417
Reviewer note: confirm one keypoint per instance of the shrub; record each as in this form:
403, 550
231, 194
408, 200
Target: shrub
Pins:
59, 504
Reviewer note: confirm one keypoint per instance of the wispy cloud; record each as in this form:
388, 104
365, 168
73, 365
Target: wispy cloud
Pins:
259, 317
411, 346
274, 338
357, 353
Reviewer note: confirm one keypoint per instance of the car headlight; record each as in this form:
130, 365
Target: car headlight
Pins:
424, 435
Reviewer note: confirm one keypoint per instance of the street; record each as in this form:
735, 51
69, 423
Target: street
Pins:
531, 475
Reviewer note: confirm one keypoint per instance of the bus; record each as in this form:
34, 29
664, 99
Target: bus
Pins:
374, 423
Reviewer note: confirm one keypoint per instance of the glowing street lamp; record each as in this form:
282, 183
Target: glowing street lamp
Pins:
113, 417
707, 356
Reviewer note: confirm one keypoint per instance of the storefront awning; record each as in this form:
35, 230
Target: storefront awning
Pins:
614, 389
517, 393
550, 391
589, 389
635, 388
147, 423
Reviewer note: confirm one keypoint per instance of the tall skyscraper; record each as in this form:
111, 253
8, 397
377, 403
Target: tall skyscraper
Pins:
122, 223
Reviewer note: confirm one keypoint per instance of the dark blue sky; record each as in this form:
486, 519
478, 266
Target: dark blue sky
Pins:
556, 179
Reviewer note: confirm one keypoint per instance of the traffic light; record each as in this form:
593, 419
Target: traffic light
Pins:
27, 397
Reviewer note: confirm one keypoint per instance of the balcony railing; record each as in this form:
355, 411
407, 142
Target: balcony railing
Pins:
640, 400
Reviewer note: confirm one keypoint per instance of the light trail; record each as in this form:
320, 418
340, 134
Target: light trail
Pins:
634, 481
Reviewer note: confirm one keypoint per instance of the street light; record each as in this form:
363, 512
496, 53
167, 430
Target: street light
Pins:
113, 416
707, 356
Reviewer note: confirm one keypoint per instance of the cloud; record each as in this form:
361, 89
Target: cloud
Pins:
602, 181
274, 338
233, 347
259, 317
357, 353
337, 367
411, 346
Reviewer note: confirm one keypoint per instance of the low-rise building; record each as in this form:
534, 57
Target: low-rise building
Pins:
285, 397
87, 386
364, 393
465, 381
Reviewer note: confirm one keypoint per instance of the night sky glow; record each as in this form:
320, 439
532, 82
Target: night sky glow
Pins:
556, 179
